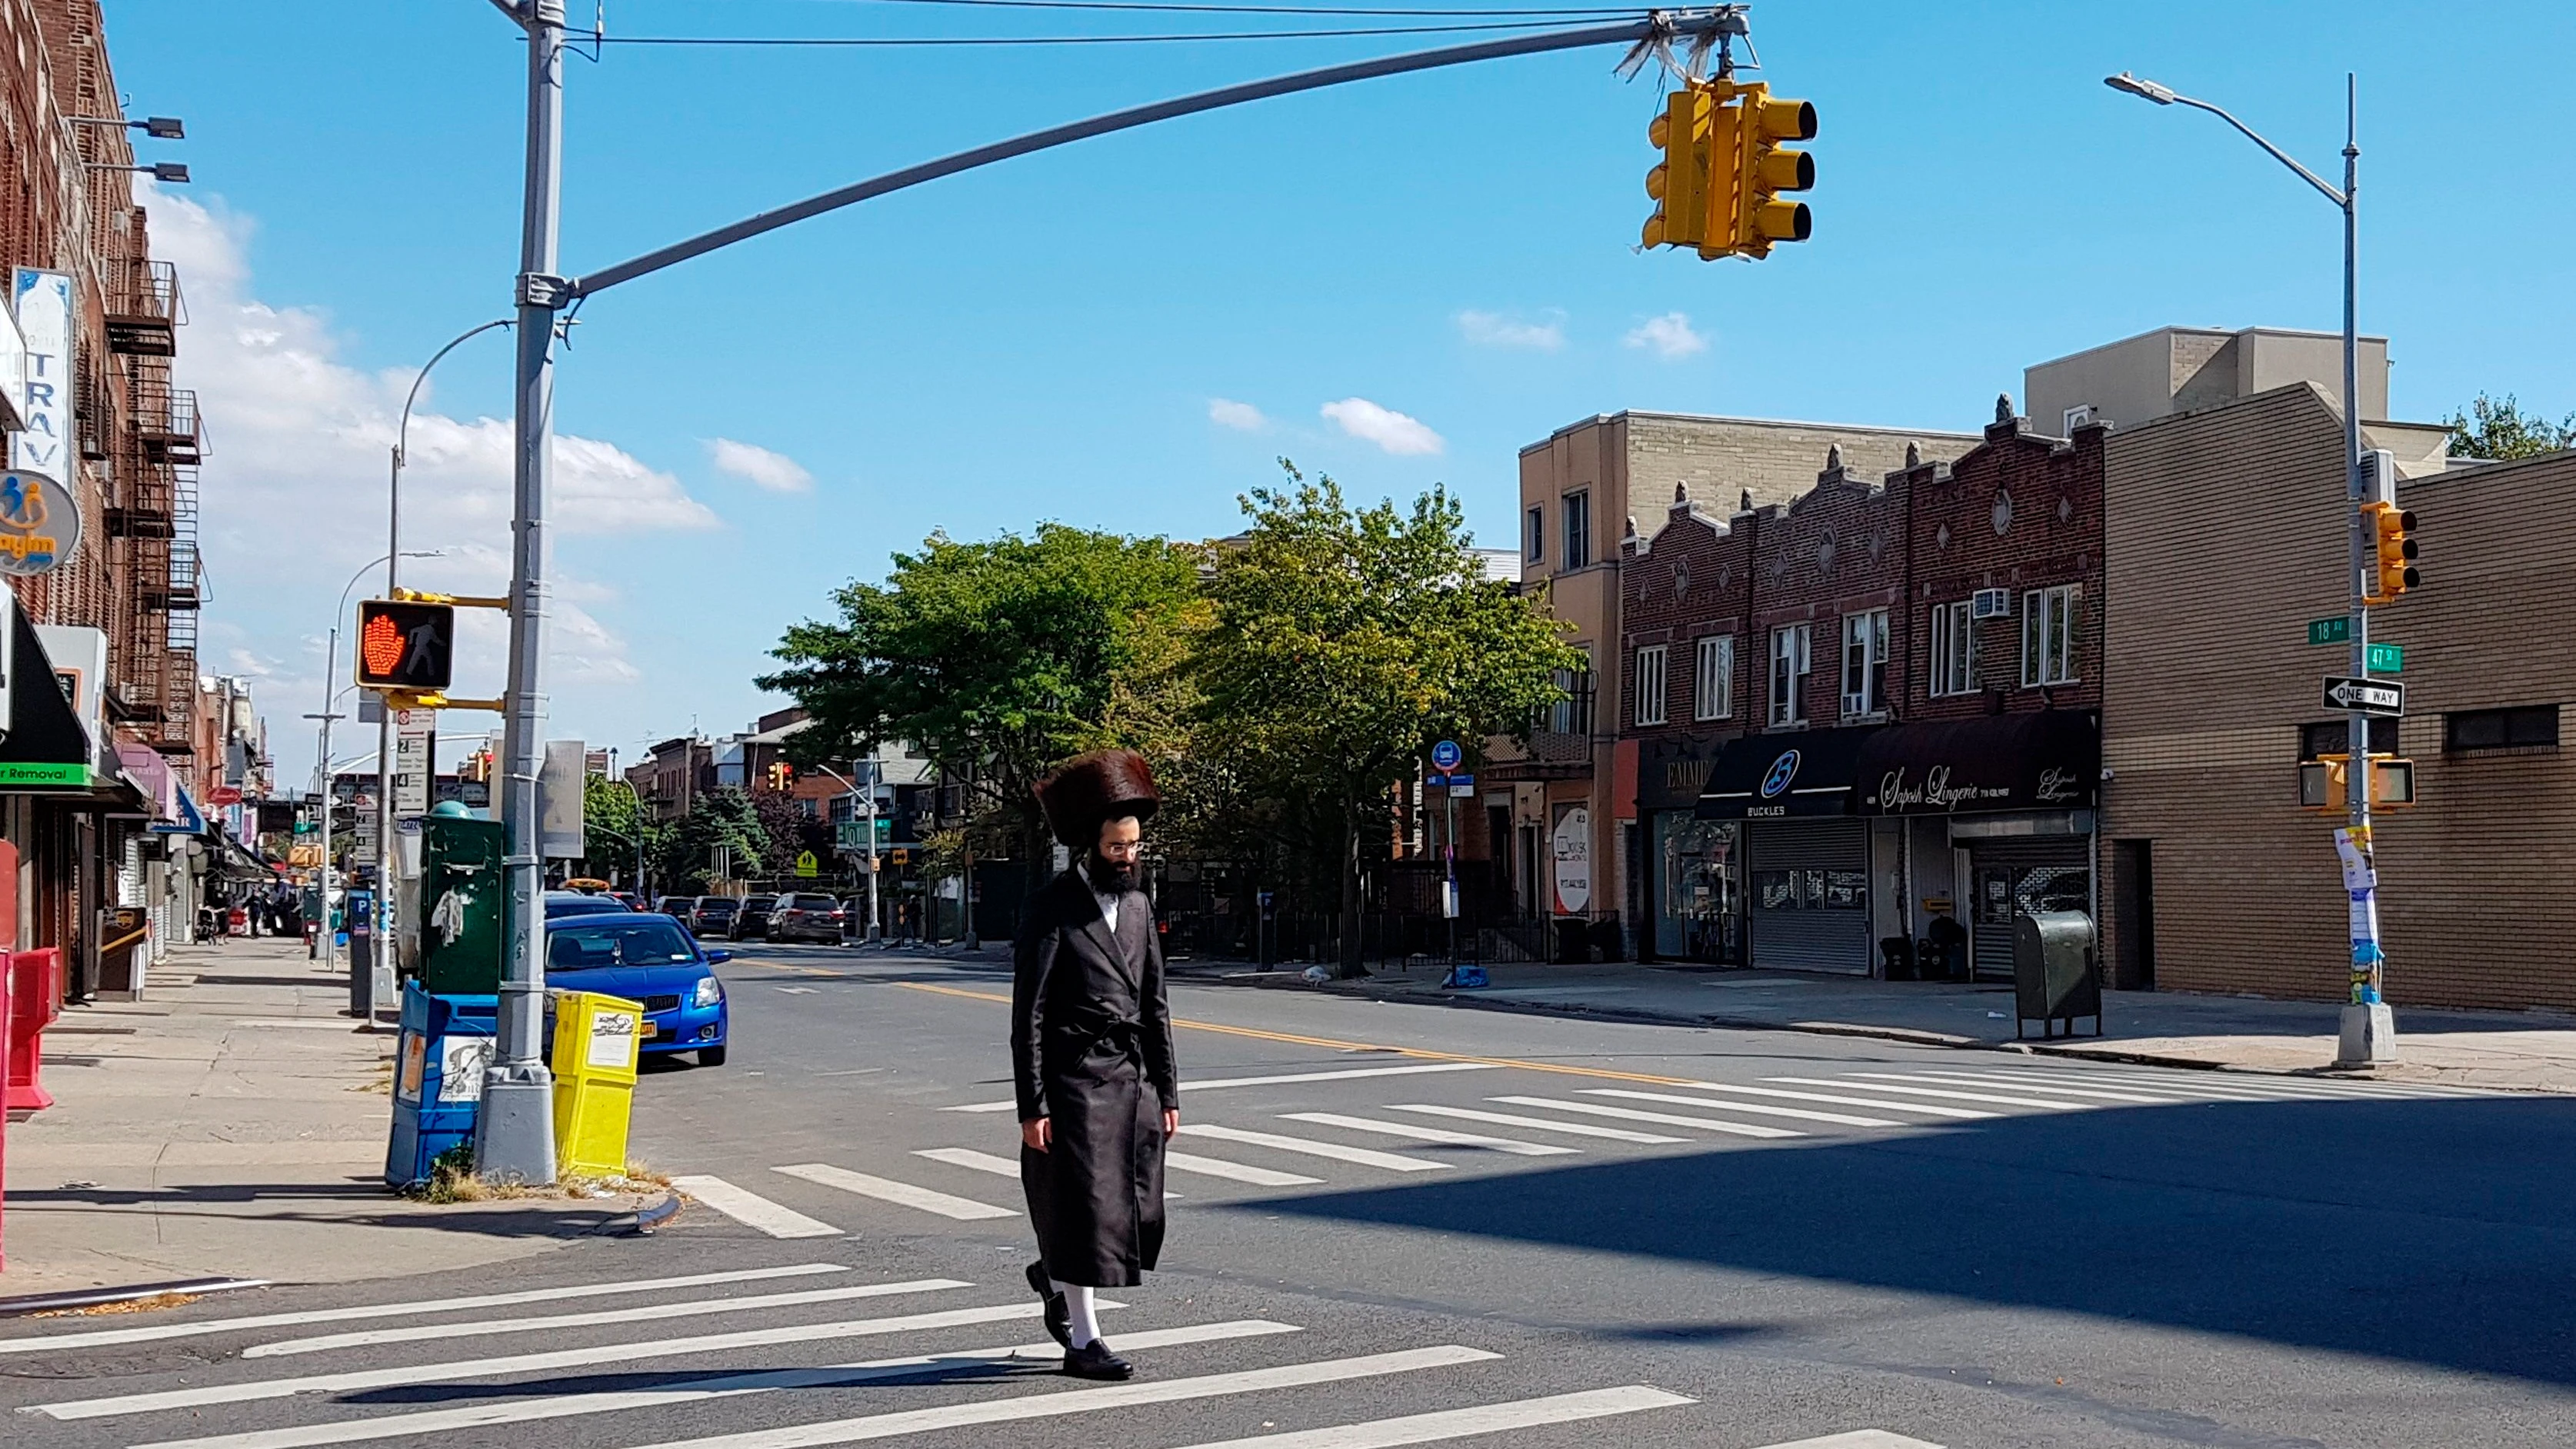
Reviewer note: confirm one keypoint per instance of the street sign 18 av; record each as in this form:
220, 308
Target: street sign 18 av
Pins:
2369, 696
2337, 630
2384, 658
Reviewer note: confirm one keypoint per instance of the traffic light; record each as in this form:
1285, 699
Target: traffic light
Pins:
404, 645
1764, 168
2393, 546
781, 775
1679, 183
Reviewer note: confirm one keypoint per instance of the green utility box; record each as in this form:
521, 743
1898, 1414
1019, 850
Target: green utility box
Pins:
461, 899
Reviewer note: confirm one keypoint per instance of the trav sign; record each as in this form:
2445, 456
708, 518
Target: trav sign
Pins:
2367, 696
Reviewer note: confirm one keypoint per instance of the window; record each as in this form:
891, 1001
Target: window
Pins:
1534, 536
2048, 635
1715, 697
1789, 663
1572, 714
2327, 737
1650, 685
1578, 530
1954, 649
1865, 662
2526, 727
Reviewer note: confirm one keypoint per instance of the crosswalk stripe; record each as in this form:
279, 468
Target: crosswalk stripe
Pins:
96, 1337
972, 1160
1364, 1156
1961, 1079
1631, 1114
902, 1194
1954, 1114
1431, 1134
751, 1209
559, 1406
692, 1308
1950, 1096
1464, 1423
1344, 1074
1233, 1171
2189, 1091
2311, 1089
475, 1368
1858, 1439
1514, 1119
1843, 1119
1022, 1407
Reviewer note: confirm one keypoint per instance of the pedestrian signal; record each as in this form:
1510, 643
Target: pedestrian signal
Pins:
2393, 548
405, 645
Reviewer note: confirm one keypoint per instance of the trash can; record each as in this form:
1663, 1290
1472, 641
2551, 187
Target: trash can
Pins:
2053, 975
35, 1000
596, 1041
446, 1042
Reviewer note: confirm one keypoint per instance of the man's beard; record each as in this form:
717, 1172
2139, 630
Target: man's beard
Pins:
1111, 878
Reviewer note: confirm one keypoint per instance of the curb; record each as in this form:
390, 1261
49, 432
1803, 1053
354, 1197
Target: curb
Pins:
34, 1303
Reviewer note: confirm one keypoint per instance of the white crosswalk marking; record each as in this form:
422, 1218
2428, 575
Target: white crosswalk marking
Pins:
902, 1194
1342, 1074
2187, 1091
1953, 1114
1463, 1423
1949, 1096
692, 1308
1757, 1109
1364, 1156
1960, 1079
1023, 1407
1233, 1171
1537, 1124
1431, 1134
1857, 1439
1668, 1119
972, 1160
751, 1209
559, 1406
2303, 1088
96, 1337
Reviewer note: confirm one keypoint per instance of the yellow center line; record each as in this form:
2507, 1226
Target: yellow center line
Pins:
1422, 1053
785, 966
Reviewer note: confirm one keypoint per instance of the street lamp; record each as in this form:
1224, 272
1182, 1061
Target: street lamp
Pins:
2369, 1031
876, 934
322, 756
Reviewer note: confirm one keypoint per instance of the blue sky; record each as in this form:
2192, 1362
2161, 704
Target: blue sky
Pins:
1053, 338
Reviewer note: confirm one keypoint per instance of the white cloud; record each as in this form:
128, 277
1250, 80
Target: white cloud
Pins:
1669, 336
1243, 417
759, 466
1492, 329
1389, 429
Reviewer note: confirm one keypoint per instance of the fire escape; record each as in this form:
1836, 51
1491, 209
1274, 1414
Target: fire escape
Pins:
152, 512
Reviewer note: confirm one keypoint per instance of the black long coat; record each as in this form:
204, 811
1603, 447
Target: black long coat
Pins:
1091, 1050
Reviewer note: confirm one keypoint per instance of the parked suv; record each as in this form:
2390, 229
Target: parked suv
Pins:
806, 917
713, 916
753, 919
677, 907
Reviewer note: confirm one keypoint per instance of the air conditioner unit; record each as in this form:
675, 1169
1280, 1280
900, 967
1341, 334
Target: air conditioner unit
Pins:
1856, 704
1991, 604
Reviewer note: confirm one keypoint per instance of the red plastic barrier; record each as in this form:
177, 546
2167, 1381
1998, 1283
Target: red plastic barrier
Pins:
35, 1000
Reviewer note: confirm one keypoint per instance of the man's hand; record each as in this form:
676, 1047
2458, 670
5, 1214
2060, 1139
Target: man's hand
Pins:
1037, 1132
1171, 1122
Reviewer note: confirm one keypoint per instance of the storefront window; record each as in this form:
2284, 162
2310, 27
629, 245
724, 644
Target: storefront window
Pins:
1698, 906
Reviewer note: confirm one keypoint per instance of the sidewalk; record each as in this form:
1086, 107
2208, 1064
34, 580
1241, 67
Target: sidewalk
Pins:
233, 1123
2511, 1051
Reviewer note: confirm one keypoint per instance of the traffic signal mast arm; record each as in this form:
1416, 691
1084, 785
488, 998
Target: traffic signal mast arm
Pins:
462, 601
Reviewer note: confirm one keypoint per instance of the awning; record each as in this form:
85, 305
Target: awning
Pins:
2048, 759
47, 749
189, 820
1784, 776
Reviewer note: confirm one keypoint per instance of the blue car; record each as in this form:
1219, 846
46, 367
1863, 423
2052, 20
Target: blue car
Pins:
645, 958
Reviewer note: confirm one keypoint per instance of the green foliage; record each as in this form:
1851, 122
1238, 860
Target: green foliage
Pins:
2500, 429
613, 824
727, 817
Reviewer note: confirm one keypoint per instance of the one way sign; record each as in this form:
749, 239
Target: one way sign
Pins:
2370, 696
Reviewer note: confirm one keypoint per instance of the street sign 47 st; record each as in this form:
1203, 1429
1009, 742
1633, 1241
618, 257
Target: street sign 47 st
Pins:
2369, 696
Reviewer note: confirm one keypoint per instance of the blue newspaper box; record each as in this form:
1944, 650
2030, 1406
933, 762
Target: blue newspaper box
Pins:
446, 1042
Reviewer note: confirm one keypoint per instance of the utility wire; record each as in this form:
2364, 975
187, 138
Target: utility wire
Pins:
961, 40
1171, 5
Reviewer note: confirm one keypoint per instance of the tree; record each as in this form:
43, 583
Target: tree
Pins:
2500, 429
994, 660
723, 817
617, 834
1346, 641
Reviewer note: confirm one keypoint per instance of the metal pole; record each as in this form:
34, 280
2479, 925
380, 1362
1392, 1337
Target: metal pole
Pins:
514, 1133
876, 931
2369, 1031
322, 873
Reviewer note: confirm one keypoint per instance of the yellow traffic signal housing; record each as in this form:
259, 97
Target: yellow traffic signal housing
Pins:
1718, 185
1679, 183
2393, 549
405, 646
2325, 782
1764, 168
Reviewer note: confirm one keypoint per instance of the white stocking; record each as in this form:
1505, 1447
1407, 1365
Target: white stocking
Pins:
1086, 1321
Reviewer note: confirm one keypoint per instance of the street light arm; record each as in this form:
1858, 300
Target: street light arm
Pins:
402, 430
2331, 193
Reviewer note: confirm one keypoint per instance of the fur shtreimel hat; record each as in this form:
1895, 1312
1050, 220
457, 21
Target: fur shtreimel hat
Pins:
1087, 790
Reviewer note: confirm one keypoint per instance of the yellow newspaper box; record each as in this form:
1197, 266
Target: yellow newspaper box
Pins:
596, 1040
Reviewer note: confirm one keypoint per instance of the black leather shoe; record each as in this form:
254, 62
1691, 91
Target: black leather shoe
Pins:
1059, 1318
1094, 1361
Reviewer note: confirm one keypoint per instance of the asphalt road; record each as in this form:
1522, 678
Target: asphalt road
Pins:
1416, 1224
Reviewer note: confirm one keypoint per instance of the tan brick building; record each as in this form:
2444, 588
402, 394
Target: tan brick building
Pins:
2226, 534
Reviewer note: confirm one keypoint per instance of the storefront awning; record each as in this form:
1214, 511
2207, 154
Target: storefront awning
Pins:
46, 749
2048, 759
1784, 776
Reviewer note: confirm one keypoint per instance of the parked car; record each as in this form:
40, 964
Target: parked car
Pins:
677, 907
629, 899
805, 916
648, 959
713, 916
753, 919
580, 903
